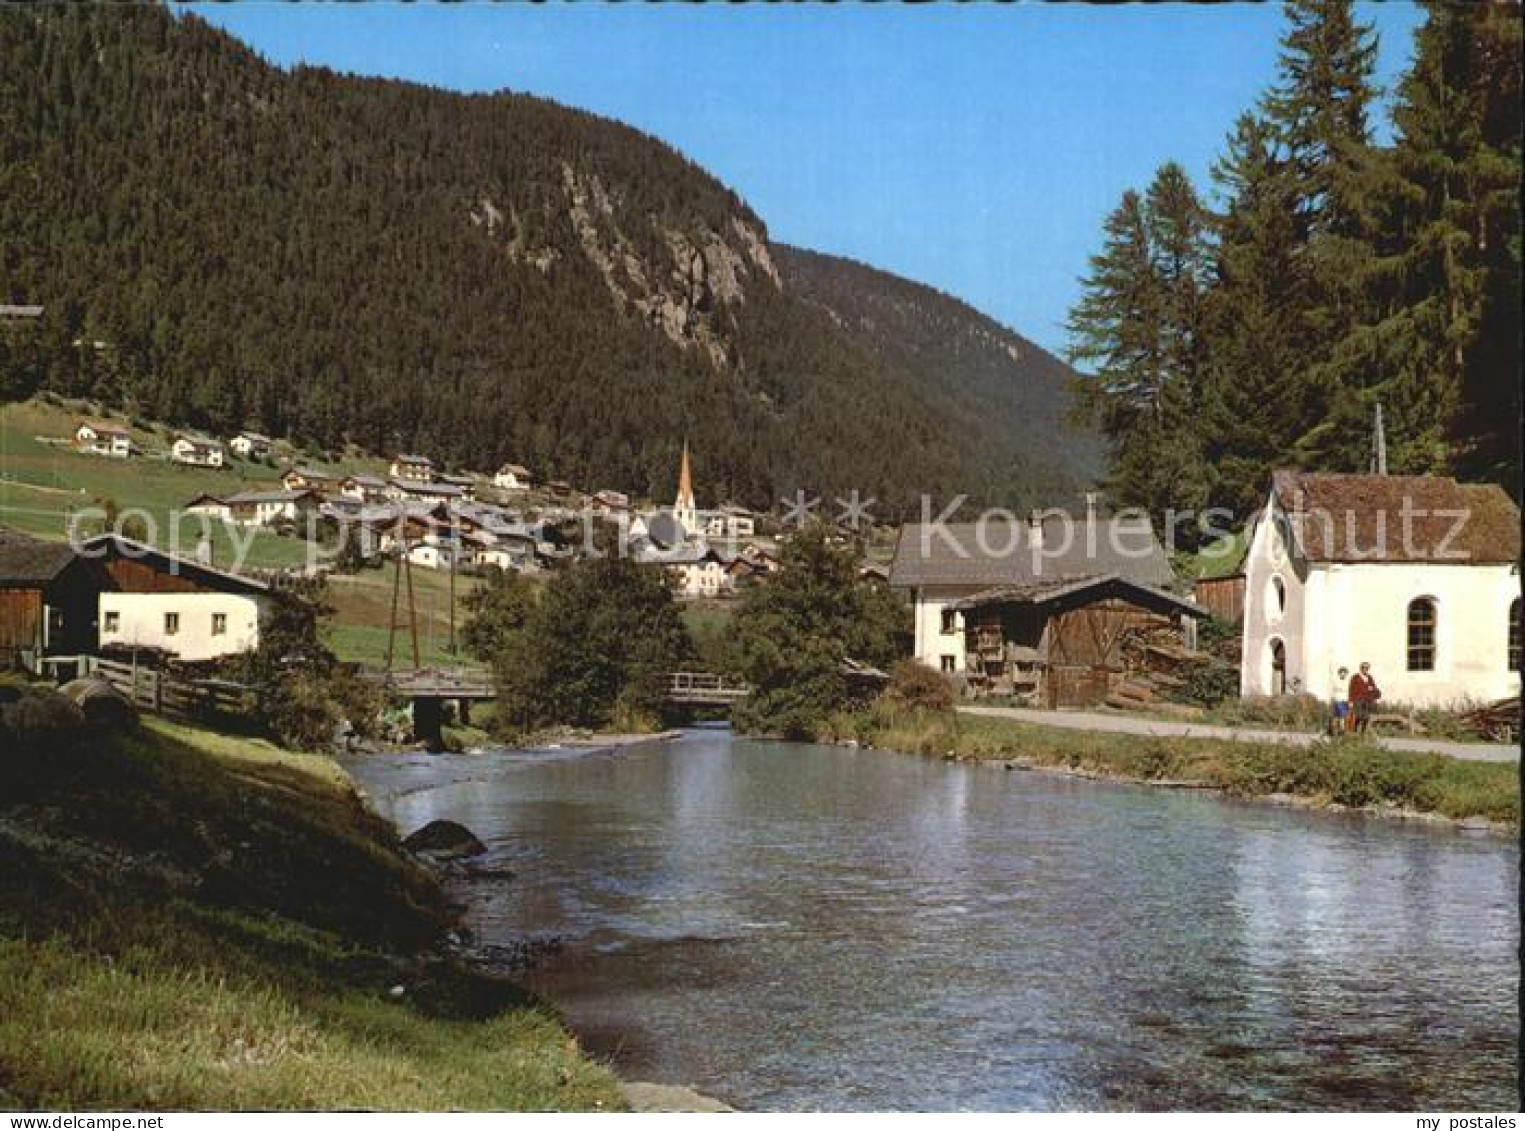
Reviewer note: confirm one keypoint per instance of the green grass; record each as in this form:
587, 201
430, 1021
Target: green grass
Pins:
42, 485
1352, 773
362, 603
192, 920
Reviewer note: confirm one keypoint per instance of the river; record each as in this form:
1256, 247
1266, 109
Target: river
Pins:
796, 927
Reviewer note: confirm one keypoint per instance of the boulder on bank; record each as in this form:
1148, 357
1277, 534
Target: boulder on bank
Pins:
444, 840
104, 707
37, 716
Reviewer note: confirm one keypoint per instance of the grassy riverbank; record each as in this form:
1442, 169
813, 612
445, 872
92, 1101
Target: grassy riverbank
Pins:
189, 920
1354, 774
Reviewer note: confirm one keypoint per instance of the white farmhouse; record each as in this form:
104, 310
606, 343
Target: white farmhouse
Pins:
103, 439
266, 508
251, 445
1416, 575
197, 451
155, 600
412, 468
513, 477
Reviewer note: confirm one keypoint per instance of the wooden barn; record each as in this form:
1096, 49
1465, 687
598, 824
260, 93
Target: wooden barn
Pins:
48, 597
1068, 643
1055, 609
1219, 588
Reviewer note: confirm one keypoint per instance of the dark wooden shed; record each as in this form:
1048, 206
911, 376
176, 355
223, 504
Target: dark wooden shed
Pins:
1069, 643
48, 601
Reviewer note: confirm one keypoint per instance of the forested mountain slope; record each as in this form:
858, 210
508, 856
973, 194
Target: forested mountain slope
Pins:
1001, 385
221, 243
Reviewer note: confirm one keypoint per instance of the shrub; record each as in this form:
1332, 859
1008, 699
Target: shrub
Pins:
1207, 685
916, 687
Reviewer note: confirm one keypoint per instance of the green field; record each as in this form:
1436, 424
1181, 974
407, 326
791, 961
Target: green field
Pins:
44, 485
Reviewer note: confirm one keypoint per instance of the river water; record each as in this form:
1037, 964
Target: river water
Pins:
799, 927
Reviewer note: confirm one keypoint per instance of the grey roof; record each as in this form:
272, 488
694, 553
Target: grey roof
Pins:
664, 529
1043, 593
440, 489
1005, 552
13, 310
26, 561
267, 497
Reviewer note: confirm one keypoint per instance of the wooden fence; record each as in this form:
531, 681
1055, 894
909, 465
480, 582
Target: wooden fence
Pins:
167, 694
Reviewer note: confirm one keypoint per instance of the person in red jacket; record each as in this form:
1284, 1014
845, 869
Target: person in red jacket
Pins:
1364, 693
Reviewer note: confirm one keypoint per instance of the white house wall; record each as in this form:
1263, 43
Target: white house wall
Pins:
1343, 614
141, 622
932, 644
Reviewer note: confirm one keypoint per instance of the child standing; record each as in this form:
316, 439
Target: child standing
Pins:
1339, 720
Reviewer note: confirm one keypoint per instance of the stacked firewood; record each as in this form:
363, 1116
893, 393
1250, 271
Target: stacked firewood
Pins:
1498, 722
1149, 692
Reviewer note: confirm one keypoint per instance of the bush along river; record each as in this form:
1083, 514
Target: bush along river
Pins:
788, 927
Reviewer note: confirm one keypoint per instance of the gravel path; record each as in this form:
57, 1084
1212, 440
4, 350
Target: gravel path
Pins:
1163, 728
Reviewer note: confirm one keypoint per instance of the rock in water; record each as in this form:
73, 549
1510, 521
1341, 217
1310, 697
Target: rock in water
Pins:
445, 840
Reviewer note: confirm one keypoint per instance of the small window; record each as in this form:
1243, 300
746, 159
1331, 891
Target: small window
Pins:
1514, 635
948, 663
950, 622
219, 624
113, 622
171, 624
1421, 635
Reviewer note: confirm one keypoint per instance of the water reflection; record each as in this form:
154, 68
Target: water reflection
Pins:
800, 927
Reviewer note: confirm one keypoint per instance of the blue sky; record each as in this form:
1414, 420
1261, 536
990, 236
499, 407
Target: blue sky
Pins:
973, 148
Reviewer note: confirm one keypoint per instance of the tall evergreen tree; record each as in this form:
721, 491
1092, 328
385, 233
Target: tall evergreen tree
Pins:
1258, 401
1137, 328
1445, 300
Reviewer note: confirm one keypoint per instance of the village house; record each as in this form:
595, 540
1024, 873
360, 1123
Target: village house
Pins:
311, 479
611, 504
465, 484
431, 494
197, 451
363, 488
16, 315
730, 523
251, 445
160, 602
1416, 575
696, 571
513, 477
104, 439
1055, 609
48, 596
412, 469
268, 508
509, 552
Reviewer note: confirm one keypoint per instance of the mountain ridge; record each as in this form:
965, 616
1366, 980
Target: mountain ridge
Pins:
483, 277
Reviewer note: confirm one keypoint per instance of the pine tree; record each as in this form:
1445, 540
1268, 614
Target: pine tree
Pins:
1257, 403
1138, 328
1319, 111
1446, 298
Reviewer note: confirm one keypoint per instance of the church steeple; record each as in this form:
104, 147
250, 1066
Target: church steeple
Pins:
684, 509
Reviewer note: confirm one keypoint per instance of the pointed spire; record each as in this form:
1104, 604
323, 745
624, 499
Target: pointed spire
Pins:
685, 510
685, 482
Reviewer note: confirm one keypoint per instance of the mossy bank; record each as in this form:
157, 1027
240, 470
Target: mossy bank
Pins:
1348, 774
189, 920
